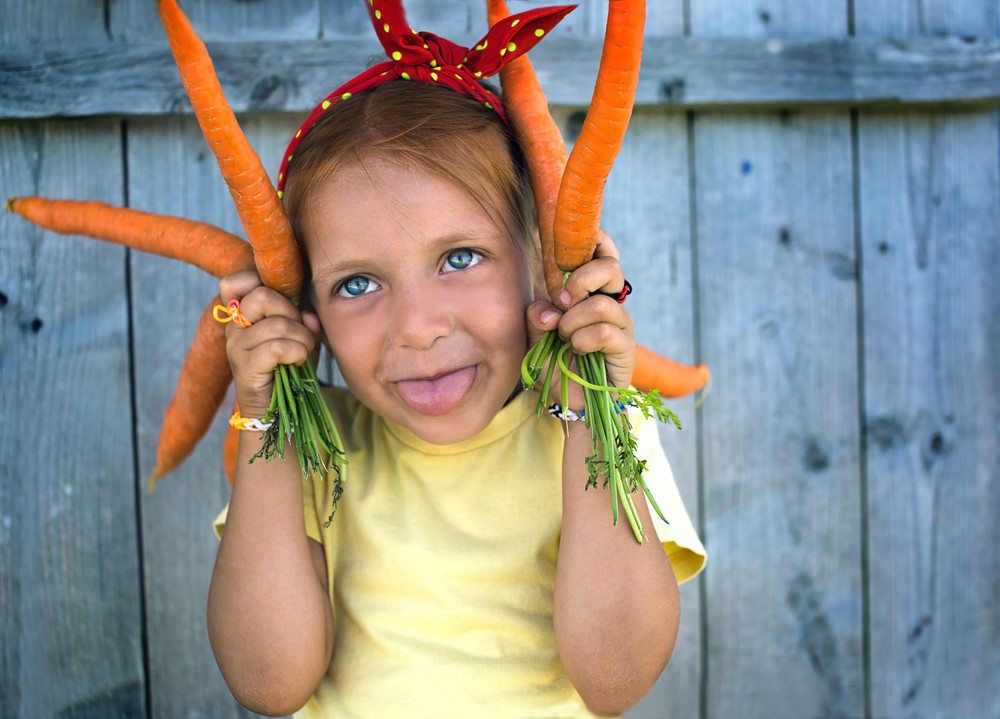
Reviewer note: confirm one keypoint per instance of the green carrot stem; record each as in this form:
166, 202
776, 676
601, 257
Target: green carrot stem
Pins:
299, 415
614, 444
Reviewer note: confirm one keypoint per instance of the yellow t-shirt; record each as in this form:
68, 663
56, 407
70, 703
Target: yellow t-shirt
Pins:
442, 566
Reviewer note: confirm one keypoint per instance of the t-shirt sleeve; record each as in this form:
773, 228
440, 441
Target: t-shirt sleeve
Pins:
678, 536
313, 528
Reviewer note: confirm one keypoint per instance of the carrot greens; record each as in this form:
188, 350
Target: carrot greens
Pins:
605, 414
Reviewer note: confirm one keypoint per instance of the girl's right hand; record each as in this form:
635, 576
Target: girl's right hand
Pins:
279, 334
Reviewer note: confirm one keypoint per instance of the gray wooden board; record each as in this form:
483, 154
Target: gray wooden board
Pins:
776, 293
24, 22
72, 627
681, 72
930, 235
928, 219
137, 21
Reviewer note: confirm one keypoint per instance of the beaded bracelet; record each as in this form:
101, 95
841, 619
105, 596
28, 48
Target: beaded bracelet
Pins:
566, 415
248, 424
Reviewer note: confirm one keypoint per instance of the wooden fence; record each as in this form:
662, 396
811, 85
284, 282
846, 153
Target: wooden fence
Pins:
808, 201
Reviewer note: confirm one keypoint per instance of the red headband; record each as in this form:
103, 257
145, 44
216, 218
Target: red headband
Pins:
428, 58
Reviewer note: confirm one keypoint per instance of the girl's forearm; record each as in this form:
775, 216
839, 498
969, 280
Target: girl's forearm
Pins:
617, 607
269, 615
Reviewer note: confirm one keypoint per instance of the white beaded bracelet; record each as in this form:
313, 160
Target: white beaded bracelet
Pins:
566, 415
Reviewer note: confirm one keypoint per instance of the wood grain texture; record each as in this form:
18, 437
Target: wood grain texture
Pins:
776, 286
679, 72
25, 22
931, 248
928, 220
71, 634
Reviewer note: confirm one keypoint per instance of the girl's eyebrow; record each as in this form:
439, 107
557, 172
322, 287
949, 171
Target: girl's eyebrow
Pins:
341, 269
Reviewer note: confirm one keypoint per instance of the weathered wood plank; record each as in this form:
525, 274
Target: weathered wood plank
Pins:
172, 171
24, 22
776, 287
71, 633
262, 20
680, 72
928, 219
646, 206
930, 232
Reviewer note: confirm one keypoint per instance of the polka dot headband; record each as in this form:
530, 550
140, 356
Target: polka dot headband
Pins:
425, 57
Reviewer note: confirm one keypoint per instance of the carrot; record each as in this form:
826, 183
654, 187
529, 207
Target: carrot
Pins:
205, 246
542, 141
279, 262
578, 214
546, 156
670, 378
276, 254
201, 386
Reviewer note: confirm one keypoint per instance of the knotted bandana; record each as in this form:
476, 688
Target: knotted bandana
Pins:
425, 57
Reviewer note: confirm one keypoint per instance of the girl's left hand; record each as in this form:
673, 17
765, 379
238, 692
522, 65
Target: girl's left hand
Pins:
593, 321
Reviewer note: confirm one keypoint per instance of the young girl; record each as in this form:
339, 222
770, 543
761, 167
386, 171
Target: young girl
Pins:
466, 571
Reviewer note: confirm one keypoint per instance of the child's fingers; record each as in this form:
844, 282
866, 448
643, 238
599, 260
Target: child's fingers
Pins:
601, 274
235, 286
260, 302
277, 334
542, 317
600, 324
596, 310
263, 349
606, 247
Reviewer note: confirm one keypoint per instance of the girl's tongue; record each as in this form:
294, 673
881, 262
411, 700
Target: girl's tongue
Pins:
435, 397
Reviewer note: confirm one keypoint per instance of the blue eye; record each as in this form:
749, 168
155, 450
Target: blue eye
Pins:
462, 259
356, 286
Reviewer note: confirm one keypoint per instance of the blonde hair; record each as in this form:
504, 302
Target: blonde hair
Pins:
429, 128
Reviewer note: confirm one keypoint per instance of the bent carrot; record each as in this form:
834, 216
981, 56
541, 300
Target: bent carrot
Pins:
201, 386
578, 214
205, 246
279, 262
670, 378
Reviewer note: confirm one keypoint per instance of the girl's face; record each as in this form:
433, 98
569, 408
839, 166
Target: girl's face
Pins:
421, 295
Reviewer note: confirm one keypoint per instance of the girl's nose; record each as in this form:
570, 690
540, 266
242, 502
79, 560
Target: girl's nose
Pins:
420, 317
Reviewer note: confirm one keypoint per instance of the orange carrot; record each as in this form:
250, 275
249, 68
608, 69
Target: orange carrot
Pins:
276, 254
542, 141
279, 262
578, 214
672, 379
201, 387
205, 246
546, 156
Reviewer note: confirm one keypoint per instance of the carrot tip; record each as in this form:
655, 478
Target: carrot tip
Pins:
151, 484
705, 390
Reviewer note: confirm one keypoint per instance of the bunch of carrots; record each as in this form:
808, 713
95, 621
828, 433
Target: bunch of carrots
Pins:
300, 413
568, 195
